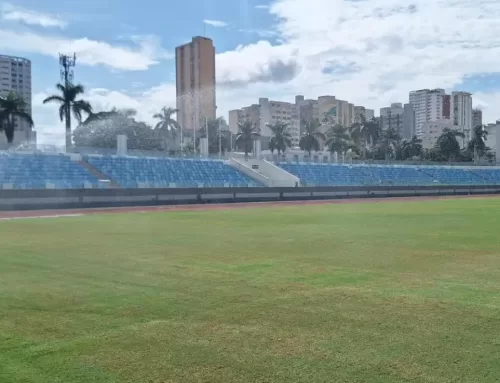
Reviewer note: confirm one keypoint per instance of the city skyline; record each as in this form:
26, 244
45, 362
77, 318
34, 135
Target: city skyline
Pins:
267, 49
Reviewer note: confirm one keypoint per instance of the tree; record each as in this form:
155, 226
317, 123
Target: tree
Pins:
365, 134
281, 139
99, 130
11, 107
476, 144
167, 127
338, 139
246, 136
67, 99
389, 139
218, 134
311, 138
447, 144
411, 148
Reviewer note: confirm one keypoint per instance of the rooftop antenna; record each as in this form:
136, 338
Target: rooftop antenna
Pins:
67, 64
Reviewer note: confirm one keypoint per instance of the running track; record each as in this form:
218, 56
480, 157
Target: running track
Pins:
197, 207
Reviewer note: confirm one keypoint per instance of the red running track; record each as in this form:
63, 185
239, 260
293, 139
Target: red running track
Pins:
204, 207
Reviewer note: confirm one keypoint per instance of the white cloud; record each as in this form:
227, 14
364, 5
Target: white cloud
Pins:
262, 33
246, 62
145, 53
374, 52
215, 23
30, 17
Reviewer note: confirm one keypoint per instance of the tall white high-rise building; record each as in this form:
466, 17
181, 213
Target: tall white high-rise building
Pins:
428, 107
15, 76
461, 114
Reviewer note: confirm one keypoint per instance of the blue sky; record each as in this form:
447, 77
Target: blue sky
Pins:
369, 52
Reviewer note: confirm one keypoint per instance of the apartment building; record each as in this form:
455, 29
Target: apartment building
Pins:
268, 112
477, 117
461, 114
432, 106
362, 111
296, 114
431, 131
15, 76
492, 140
399, 117
428, 107
195, 82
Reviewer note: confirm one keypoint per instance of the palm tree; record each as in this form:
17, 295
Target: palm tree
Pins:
67, 99
338, 139
311, 138
355, 131
412, 148
365, 133
246, 136
167, 126
388, 141
448, 145
477, 145
281, 139
11, 107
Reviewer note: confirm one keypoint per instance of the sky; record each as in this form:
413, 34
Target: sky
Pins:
368, 52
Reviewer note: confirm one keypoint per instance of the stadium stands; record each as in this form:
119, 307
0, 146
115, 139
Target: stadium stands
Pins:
31, 171
133, 172
397, 175
42, 171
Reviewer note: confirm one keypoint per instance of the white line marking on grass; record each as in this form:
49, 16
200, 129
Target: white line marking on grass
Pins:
41, 216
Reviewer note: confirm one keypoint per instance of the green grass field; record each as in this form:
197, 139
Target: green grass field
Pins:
387, 292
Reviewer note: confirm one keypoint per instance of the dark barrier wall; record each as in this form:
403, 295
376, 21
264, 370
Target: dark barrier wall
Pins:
91, 198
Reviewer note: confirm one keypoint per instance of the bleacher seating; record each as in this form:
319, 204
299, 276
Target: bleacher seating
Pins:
313, 174
169, 172
326, 174
398, 175
32, 171
453, 176
41, 171
491, 176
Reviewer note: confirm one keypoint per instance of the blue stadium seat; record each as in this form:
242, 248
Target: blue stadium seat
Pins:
34, 171
130, 172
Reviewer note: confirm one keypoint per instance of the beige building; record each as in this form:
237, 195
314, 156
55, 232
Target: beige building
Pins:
361, 110
195, 82
431, 131
267, 112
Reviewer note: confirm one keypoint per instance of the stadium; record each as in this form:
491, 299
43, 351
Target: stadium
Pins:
293, 272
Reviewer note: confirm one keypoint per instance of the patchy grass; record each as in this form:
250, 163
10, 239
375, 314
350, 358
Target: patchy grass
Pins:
387, 292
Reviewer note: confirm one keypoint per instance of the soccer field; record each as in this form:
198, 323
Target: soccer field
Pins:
372, 292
